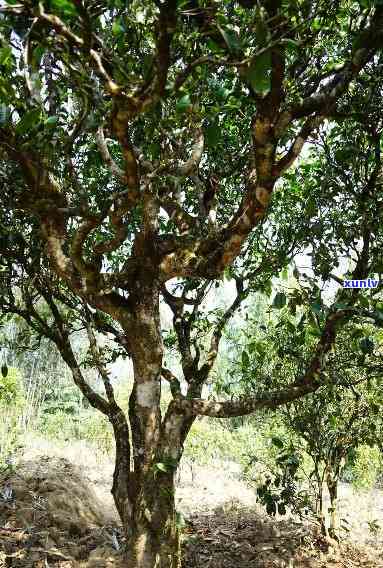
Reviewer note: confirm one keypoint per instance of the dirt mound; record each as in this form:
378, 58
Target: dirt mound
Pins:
243, 539
50, 513
59, 515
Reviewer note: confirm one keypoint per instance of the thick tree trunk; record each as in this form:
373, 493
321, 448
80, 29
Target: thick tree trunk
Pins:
143, 486
153, 540
333, 472
148, 516
146, 504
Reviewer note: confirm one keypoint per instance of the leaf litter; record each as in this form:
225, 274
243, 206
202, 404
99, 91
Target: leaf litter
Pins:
54, 513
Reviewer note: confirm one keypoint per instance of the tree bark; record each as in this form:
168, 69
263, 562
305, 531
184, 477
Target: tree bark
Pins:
153, 537
332, 485
146, 505
143, 485
319, 502
148, 517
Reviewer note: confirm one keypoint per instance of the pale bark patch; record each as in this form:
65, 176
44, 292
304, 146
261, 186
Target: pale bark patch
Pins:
231, 248
141, 548
298, 144
172, 434
57, 253
146, 394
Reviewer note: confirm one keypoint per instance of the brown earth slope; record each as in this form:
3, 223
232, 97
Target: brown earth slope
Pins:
57, 514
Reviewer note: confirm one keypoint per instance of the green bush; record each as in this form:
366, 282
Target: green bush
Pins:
58, 426
97, 430
11, 389
208, 440
366, 467
88, 425
12, 401
211, 439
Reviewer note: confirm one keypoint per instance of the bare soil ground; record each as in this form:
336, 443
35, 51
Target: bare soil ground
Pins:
56, 511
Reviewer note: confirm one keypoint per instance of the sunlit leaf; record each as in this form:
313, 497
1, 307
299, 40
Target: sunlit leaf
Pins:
184, 104
258, 74
279, 300
28, 121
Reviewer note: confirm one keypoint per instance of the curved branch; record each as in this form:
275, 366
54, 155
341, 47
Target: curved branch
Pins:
174, 383
115, 170
192, 163
369, 40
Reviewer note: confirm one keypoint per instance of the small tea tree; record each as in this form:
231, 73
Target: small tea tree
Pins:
334, 422
12, 401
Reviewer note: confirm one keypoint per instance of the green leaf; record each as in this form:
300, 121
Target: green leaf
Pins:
363, 301
28, 120
341, 305
357, 334
332, 421
311, 208
117, 28
366, 345
285, 273
279, 300
155, 150
65, 6
212, 134
316, 307
277, 442
51, 120
213, 46
245, 359
227, 274
258, 73
314, 331
161, 467
291, 44
5, 55
222, 93
4, 370
231, 38
370, 3
184, 104
378, 318
38, 52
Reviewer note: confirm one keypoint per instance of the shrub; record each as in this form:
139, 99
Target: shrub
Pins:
366, 467
207, 441
97, 430
12, 401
